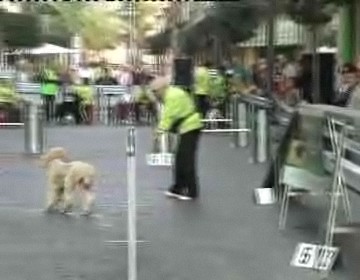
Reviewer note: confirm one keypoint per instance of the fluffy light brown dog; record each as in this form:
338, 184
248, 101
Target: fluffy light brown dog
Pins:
64, 178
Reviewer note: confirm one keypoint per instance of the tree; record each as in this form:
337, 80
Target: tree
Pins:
224, 24
144, 19
313, 14
316, 12
100, 28
19, 30
160, 42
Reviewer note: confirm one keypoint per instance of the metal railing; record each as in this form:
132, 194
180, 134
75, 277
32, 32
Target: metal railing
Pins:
113, 105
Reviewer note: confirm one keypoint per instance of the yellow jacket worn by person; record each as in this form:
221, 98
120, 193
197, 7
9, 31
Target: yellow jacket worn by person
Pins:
85, 92
179, 105
202, 81
49, 84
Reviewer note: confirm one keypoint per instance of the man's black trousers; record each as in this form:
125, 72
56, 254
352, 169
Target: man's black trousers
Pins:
49, 104
186, 180
203, 105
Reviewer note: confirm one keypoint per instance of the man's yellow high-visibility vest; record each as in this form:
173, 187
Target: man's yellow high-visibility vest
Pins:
202, 81
178, 104
48, 87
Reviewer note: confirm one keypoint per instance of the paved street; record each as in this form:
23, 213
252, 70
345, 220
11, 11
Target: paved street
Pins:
222, 236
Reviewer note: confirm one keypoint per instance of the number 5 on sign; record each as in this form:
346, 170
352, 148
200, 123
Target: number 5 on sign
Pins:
314, 256
304, 256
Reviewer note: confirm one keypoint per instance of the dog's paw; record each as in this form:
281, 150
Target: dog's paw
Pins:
50, 210
66, 210
86, 213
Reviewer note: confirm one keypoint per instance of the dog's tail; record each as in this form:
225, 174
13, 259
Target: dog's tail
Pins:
52, 154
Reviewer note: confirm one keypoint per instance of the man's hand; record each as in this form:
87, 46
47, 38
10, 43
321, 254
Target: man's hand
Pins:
160, 131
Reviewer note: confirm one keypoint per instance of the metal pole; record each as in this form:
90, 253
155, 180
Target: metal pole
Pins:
131, 166
242, 123
271, 48
235, 122
262, 135
315, 66
131, 185
33, 129
164, 143
253, 129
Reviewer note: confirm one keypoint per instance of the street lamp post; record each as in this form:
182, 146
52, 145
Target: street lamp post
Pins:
271, 48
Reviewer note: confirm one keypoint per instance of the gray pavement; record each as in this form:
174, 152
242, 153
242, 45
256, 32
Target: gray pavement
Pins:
222, 236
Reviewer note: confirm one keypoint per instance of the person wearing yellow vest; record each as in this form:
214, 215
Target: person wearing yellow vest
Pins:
180, 116
49, 90
202, 88
85, 92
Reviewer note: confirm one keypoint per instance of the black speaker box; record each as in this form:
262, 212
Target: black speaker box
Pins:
327, 76
183, 72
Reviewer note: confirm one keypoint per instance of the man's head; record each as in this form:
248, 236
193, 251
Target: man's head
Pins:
349, 74
158, 86
281, 59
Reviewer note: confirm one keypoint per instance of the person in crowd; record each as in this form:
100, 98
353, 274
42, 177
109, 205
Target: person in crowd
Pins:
125, 77
84, 72
202, 88
125, 106
292, 95
106, 78
85, 92
218, 91
349, 84
49, 89
143, 102
180, 116
305, 79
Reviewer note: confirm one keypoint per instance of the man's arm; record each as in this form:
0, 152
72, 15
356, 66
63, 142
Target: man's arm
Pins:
168, 115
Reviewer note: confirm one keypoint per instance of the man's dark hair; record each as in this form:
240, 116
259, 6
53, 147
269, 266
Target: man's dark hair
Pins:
349, 68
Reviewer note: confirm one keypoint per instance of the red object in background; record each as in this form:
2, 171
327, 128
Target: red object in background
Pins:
3, 116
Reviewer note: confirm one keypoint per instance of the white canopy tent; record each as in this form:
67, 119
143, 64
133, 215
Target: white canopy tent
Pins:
46, 48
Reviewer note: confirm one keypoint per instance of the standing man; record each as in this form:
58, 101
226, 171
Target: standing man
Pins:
202, 88
349, 87
49, 90
180, 116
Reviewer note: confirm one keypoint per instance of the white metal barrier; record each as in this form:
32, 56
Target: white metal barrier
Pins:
107, 98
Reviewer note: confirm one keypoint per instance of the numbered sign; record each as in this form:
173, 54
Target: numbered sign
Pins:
304, 256
314, 256
163, 159
325, 258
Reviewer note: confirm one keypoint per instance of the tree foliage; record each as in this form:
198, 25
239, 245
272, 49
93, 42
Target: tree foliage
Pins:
98, 26
235, 21
339, 2
19, 30
311, 12
144, 20
159, 42
228, 22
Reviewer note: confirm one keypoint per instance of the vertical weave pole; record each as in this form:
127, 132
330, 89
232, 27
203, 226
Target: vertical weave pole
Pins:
131, 185
131, 165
